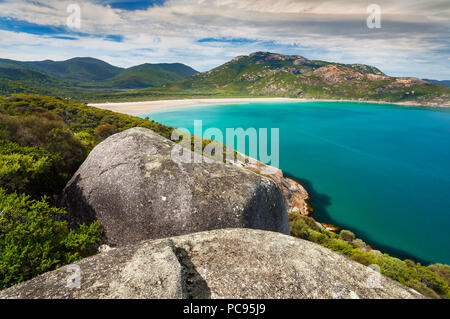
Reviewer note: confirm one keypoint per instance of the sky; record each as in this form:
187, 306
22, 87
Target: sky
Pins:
412, 38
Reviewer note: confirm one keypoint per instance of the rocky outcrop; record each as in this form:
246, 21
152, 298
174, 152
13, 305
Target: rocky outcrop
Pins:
227, 263
137, 191
295, 195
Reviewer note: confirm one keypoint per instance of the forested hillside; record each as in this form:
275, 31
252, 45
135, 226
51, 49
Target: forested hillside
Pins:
84, 73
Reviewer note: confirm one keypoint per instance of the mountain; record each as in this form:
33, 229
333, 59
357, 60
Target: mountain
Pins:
30, 77
272, 74
444, 82
90, 72
76, 70
149, 75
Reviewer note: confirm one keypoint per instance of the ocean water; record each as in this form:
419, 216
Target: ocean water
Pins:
382, 171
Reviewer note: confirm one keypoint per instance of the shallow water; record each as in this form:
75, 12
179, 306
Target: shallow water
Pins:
382, 171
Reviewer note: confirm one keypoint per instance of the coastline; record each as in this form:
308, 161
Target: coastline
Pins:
137, 108
297, 200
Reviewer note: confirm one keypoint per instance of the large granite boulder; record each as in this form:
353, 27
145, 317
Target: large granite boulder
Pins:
226, 263
132, 185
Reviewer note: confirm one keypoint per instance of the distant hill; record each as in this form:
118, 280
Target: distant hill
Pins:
90, 72
30, 77
76, 71
444, 82
149, 75
8, 86
272, 74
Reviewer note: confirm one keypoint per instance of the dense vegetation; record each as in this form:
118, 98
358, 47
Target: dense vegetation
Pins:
43, 141
78, 118
80, 76
32, 241
77, 70
148, 75
432, 281
30, 170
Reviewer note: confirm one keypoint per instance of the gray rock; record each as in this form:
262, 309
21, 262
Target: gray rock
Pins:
245, 263
130, 183
143, 271
227, 263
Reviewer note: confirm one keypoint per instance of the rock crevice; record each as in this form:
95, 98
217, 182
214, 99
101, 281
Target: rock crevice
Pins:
226, 263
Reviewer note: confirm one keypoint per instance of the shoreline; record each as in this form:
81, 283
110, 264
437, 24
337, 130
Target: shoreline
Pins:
142, 107
139, 108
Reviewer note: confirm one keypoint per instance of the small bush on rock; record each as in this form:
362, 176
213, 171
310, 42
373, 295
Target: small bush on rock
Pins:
346, 235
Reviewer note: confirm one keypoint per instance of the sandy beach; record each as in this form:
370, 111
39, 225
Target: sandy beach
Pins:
137, 108
134, 108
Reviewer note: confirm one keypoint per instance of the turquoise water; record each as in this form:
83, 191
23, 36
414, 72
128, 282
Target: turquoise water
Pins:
382, 171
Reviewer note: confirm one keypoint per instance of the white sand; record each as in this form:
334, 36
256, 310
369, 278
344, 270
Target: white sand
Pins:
134, 108
137, 108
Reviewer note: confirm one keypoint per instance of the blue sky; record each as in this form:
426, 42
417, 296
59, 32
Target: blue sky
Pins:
131, 4
413, 39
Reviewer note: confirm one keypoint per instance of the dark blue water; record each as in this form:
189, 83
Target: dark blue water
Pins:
382, 171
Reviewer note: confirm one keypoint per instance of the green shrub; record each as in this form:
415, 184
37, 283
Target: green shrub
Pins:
47, 132
298, 228
62, 141
341, 246
32, 242
28, 130
87, 139
395, 268
17, 170
363, 257
317, 237
432, 281
29, 170
358, 243
105, 130
346, 235
443, 271
423, 289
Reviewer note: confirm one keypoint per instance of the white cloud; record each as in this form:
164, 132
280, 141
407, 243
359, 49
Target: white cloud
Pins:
412, 31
